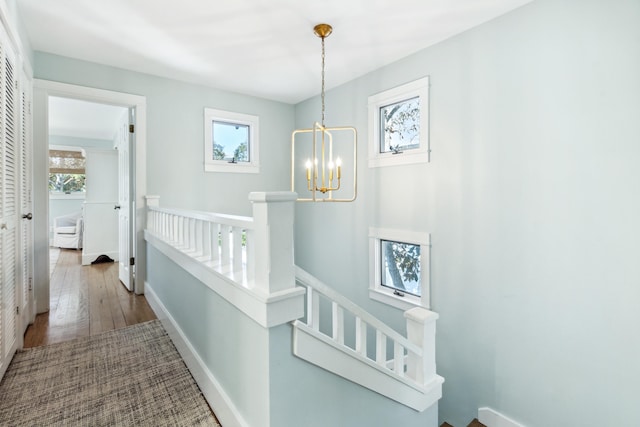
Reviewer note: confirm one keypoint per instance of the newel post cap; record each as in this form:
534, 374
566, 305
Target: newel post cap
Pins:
421, 315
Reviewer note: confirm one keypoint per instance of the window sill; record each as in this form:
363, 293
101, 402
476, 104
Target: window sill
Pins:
232, 167
64, 196
387, 297
404, 158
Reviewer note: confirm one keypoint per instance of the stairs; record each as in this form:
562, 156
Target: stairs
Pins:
474, 423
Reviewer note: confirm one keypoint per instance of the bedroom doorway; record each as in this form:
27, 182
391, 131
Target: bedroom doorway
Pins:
131, 106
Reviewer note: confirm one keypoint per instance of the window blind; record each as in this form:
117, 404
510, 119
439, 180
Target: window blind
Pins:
66, 161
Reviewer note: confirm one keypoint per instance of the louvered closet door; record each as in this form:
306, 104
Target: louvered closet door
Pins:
27, 311
9, 319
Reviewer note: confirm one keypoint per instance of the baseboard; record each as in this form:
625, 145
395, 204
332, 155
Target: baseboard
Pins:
491, 418
225, 410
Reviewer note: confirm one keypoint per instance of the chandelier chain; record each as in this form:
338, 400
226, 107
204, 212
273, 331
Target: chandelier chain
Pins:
322, 92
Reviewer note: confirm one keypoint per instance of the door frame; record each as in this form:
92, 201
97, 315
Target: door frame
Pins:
42, 90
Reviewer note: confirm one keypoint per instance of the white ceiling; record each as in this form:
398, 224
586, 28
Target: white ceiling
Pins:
82, 119
264, 48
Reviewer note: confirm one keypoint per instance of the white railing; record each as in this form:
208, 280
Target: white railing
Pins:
408, 360
219, 241
246, 260
249, 262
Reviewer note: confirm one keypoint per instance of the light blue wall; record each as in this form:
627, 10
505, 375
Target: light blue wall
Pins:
175, 129
532, 198
226, 340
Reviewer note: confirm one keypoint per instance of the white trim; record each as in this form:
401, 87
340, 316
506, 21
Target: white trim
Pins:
51, 88
491, 418
220, 402
418, 88
253, 122
267, 310
57, 195
386, 295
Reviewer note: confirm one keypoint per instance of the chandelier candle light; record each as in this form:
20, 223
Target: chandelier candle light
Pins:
326, 177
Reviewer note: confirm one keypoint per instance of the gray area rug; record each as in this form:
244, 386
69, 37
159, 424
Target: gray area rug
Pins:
126, 377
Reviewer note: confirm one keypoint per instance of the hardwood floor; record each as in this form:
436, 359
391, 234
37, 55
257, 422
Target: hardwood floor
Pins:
85, 300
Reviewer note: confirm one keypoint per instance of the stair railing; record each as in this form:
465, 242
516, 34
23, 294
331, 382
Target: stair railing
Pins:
410, 359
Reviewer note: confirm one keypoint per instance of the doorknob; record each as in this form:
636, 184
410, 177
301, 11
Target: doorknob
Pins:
116, 207
28, 216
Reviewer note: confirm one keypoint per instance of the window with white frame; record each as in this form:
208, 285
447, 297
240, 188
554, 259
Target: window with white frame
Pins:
399, 267
399, 125
230, 142
66, 171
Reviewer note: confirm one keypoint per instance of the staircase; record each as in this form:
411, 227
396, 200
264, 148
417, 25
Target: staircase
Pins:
237, 278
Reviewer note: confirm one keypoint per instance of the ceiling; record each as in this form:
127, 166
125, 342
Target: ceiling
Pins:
83, 119
264, 48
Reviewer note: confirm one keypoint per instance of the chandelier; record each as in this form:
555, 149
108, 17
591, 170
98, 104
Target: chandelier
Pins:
319, 150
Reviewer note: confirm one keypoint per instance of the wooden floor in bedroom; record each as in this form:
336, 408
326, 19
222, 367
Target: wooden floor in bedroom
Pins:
85, 300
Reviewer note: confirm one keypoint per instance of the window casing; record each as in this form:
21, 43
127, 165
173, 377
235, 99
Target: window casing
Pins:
399, 125
230, 142
399, 267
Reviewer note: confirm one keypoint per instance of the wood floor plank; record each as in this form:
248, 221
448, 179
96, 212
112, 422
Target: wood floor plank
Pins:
85, 300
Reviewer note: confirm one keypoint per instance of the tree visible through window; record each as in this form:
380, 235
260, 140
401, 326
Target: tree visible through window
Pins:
66, 171
400, 126
230, 142
401, 267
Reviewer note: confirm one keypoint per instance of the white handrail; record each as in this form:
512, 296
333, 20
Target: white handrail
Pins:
232, 220
306, 279
413, 356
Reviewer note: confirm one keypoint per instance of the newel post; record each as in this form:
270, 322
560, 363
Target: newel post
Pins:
273, 239
421, 330
155, 202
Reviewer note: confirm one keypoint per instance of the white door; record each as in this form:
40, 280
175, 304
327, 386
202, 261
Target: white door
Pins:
10, 339
125, 206
27, 310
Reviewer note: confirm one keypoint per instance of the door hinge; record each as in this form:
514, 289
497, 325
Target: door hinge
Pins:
132, 128
30, 284
18, 310
132, 261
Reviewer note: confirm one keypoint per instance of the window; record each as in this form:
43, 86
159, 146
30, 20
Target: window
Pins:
230, 142
399, 263
399, 125
66, 171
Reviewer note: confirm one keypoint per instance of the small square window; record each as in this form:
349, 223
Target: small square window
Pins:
400, 267
399, 264
230, 142
399, 125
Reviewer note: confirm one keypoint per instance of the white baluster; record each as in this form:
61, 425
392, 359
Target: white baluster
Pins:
381, 348
152, 223
225, 233
337, 315
206, 240
361, 336
313, 309
237, 248
398, 358
251, 256
215, 242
